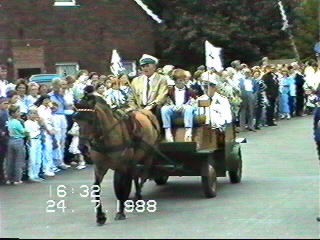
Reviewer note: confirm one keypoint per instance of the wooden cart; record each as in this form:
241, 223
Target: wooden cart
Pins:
213, 153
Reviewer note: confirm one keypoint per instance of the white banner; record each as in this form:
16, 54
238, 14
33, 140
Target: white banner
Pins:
213, 56
116, 65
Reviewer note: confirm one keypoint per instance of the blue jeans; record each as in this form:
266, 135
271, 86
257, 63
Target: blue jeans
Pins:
168, 113
47, 160
34, 158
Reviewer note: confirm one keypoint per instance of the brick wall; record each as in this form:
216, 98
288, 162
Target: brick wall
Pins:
85, 34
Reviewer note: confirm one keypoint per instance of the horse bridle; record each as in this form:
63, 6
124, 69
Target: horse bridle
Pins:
101, 147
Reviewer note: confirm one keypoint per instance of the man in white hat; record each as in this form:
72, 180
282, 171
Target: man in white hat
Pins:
150, 90
219, 112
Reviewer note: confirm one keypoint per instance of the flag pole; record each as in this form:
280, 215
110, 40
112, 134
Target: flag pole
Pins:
287, 29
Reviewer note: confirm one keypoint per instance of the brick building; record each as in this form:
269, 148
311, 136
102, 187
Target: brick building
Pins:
49, 36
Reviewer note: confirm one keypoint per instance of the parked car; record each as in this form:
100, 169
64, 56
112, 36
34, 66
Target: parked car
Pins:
43, 78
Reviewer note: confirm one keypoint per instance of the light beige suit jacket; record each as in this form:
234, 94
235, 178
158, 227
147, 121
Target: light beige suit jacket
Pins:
158, 95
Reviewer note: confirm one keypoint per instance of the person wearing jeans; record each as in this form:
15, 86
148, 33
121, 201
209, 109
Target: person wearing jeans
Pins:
179, 104
34, 145
16, 151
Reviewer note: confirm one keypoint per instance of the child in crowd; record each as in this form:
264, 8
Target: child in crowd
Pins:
116, 97
45, 114
16, 154
34, 145
4, 117
74, 146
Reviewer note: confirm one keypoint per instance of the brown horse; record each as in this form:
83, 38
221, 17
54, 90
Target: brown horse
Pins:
117, 143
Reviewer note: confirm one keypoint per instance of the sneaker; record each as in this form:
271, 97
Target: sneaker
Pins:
79, 167
73, 163
35, 179
8, 182
64, 166
17, 182
49, 174
56, 170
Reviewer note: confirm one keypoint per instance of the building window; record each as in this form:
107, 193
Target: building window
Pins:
64, 3
65, 69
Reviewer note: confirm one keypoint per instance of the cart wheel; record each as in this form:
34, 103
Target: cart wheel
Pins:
209, 183
162, 180
235, 175
122, 185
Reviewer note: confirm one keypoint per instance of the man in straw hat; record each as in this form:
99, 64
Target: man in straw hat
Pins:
150, 90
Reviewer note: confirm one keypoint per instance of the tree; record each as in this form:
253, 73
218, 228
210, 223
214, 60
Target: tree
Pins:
245, 29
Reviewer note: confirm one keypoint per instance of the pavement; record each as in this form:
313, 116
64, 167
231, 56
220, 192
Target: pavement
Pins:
277, 198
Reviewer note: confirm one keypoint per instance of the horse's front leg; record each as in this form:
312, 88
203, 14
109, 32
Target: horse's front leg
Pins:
138, 187
100, 215
122, 185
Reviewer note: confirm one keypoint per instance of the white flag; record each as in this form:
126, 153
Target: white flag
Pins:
116, 65
213, 56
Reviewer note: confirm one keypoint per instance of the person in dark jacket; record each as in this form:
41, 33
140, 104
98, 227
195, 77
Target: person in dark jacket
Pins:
300, 91
272, 91
316, 132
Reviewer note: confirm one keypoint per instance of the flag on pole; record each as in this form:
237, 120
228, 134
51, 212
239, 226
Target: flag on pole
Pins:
116, 65
284, 17
213, 56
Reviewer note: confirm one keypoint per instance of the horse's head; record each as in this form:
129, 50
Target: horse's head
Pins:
85, 116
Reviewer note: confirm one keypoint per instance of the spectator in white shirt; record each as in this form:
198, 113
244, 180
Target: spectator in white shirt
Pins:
3, 80
34, 145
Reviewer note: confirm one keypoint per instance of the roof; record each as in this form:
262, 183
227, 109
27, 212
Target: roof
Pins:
148, 11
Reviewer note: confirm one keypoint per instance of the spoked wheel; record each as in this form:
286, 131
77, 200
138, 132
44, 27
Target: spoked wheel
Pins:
236, 174
122, 185
162, 180
209, 181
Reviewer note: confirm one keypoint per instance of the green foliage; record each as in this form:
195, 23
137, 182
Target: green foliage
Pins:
307, 31
245, 29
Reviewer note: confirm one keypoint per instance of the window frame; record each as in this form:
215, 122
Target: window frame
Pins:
66, 3
76, 64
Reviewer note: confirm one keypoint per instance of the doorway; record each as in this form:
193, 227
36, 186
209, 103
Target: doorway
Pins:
26, 73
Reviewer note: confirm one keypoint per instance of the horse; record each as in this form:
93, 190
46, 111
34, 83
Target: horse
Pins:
117, 142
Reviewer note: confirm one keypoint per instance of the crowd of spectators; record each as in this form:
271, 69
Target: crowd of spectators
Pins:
39, 138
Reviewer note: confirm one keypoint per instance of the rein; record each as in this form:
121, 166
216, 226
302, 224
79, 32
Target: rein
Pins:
101, 147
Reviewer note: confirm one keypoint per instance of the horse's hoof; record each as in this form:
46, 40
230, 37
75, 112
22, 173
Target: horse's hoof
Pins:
120, 216
101, 220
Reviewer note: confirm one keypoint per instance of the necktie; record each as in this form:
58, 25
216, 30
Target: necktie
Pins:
148, 89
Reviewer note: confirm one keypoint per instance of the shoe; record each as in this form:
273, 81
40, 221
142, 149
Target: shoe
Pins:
272, 124
56, 170
188, 138
251, 129
49, 174
257, 128
79, 167
35, 179
288, 117
168, 134
17, 182
8, 182
64, 166
73, 163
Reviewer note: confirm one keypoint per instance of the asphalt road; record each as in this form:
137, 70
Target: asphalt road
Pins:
277, 198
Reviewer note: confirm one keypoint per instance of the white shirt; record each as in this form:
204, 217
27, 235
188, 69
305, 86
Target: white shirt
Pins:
219, 112
145, 94
236, 78
3, 88
46, 114
248, 85
33, 128
179, 96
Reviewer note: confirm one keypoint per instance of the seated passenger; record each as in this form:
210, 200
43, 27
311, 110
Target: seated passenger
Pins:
219, 112
150, 90
180, 102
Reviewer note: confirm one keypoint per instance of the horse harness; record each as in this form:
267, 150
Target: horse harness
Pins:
132, 126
